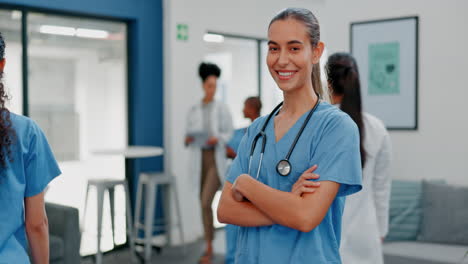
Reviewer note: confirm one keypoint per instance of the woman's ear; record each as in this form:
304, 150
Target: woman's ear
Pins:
317, 52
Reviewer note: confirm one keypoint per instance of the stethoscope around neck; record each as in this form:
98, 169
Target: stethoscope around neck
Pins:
283, 167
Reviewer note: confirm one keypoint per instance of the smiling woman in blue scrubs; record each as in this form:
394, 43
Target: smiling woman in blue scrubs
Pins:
27, 165
287, 219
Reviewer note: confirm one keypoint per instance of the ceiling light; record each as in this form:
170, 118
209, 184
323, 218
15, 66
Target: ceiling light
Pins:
216, 38
91, 33
57, 30
15, 15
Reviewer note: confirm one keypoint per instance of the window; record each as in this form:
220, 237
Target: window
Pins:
10, 26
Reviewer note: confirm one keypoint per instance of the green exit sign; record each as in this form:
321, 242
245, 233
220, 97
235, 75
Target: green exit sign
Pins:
182, 32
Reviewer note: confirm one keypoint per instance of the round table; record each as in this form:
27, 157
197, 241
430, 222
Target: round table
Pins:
133, 152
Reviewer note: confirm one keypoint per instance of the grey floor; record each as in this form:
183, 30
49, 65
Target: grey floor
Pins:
170, 255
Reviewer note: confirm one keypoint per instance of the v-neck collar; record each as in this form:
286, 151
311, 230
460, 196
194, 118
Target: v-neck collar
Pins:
293, 127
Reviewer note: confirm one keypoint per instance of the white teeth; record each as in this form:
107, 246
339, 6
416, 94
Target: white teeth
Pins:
285, 73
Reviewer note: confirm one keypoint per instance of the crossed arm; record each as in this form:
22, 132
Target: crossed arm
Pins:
300, 209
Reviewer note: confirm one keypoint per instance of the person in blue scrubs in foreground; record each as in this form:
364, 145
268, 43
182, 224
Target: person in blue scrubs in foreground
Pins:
27, 165
252, 109
289, 219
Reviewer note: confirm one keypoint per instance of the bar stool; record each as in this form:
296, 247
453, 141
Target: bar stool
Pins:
151, 182
103, 185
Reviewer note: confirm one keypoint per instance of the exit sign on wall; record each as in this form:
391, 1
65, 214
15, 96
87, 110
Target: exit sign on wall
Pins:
182, 32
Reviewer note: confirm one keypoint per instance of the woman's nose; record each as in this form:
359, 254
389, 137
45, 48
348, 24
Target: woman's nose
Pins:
283, 59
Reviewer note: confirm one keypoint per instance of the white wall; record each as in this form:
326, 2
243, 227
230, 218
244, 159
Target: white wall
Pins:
438, 149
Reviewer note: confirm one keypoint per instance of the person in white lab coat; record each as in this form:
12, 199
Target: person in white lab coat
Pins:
365, 217
209, 128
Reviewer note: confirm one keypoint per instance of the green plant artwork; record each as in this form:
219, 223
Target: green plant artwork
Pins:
384, 68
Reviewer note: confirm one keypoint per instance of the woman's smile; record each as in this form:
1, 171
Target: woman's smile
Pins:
285, 75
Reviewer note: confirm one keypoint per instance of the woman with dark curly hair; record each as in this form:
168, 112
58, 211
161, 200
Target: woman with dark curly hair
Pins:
6, 132
27, 165
209, 128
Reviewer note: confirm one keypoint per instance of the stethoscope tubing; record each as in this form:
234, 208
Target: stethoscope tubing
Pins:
262, 135
301, 130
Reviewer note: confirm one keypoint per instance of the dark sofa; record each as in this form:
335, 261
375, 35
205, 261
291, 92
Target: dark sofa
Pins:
64, 231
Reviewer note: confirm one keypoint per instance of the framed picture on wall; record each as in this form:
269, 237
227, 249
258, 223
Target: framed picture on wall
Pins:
387, 55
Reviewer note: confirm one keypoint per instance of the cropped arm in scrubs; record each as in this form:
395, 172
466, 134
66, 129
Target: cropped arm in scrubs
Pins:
41, 168
40, 165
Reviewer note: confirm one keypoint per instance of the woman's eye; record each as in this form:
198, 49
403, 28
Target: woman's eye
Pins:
295, 49
272, 49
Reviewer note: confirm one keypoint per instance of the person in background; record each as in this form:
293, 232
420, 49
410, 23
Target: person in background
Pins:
368, 208
27, 165
252, 110
209, 127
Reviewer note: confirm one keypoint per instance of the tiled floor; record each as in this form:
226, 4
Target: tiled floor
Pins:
172, 255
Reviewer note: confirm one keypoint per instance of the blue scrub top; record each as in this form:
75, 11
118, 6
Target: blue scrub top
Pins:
236, 138
32, 168
330, 140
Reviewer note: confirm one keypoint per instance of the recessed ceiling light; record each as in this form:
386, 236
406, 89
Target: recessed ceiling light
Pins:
216, 38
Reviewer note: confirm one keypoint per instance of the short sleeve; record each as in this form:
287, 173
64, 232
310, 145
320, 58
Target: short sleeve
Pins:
40, 164
236, 139
338, 155
240, 163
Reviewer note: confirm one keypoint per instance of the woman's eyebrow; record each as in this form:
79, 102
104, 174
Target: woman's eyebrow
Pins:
295, 42
271, 42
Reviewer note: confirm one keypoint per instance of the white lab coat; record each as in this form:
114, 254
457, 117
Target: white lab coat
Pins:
365, 217
221, 127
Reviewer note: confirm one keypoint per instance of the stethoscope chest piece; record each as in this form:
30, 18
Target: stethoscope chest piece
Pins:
283, 167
